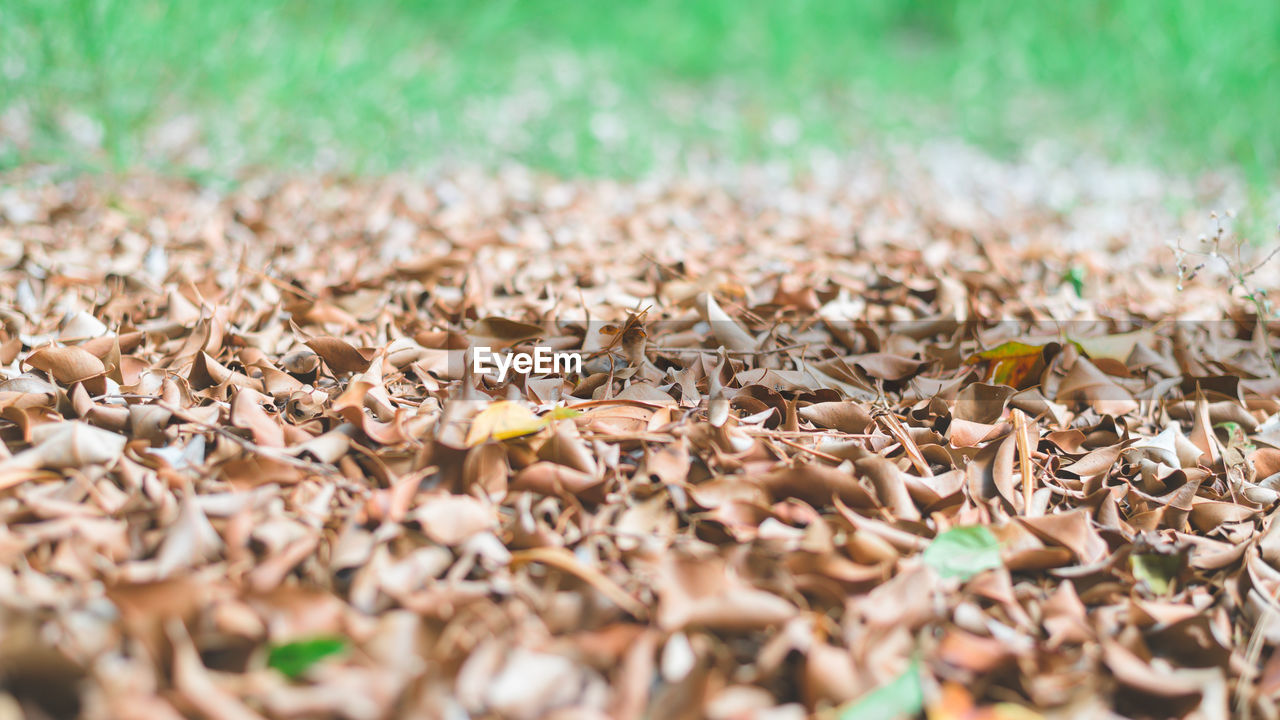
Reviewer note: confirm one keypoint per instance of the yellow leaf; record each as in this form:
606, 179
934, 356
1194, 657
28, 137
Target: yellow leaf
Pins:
503, 420
562, 413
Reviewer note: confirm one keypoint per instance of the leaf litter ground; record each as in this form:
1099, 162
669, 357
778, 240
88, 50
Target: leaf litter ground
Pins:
830, 452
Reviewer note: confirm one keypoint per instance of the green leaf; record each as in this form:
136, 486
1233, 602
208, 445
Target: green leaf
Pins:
1009, 363
1157, 570
295, 658
1006, 351
562, 413
902, 697
1075, 276
963, 552
1236, 437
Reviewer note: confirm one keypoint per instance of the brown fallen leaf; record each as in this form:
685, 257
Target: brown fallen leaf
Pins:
241, 421
816, 485
563, 560
71, 444
452, 519
1086, 384
340, 356
847, 417
695, 594
727, 331
67, 365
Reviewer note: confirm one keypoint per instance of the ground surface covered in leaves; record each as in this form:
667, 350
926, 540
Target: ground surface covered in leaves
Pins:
835, 449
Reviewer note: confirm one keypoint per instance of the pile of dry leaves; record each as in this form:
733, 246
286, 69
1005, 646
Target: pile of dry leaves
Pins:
828, 454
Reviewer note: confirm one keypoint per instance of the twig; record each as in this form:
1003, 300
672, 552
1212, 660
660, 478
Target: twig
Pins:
1024, 459
894, 427
272, 453
626, 437
563, 560
1240, 275
763, 432
1252, 655
739, 353
281, 284
812, 451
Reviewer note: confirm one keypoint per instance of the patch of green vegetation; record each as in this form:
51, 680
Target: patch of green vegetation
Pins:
1156, 570
902, 697
962, 552
604, 87
295, 658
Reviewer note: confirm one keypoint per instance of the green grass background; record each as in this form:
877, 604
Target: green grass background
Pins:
375, 86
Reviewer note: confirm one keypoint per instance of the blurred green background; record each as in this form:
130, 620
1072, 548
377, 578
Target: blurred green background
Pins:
613, 87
